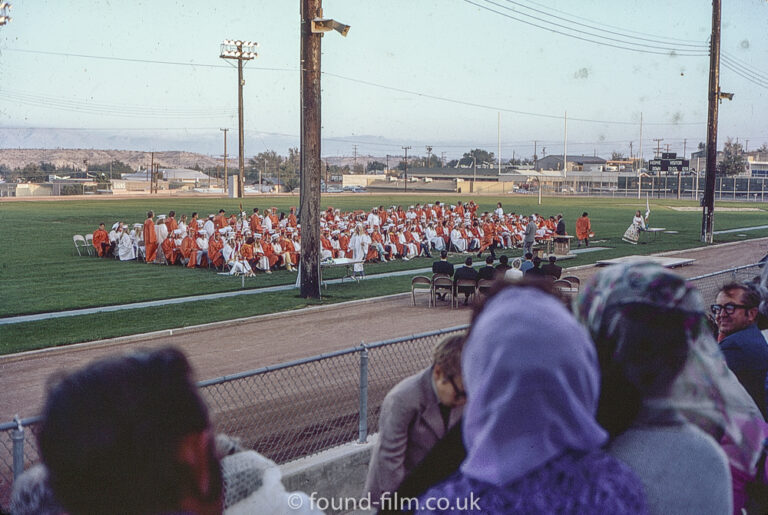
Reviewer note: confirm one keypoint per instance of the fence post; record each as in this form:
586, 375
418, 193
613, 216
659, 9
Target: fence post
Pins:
362, 428
17, 436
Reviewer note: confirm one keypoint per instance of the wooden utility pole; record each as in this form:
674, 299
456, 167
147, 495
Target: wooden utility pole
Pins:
226, 173
406, 167
310, 151
708, 202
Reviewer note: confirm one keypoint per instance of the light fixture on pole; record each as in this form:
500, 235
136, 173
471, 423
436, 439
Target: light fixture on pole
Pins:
240, 51
4, 17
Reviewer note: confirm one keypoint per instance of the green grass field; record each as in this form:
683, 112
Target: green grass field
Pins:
41, 273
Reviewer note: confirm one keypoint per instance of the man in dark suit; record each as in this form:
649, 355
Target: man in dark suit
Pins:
487, 272
551, 269
535, 271
503, 265
442, 267
465, 272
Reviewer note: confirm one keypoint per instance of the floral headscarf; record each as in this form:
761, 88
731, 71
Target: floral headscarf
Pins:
706, 392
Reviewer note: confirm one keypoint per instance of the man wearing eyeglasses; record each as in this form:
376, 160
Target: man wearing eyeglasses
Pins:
415, 415
742, 343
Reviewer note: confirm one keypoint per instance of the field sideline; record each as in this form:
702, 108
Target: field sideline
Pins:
41, 274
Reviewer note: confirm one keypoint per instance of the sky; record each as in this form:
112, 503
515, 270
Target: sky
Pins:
451, 74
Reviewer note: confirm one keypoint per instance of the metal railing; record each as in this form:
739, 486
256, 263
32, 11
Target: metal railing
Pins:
302, 407
284, 411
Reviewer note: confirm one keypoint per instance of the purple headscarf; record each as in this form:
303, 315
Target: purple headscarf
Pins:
532, 382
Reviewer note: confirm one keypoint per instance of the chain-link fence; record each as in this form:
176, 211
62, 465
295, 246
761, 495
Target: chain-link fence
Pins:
285, 411
302, 407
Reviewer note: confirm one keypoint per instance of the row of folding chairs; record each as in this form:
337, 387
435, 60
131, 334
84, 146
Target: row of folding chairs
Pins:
442, 286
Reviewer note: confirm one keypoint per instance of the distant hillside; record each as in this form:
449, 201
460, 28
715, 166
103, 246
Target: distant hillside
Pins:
19, 158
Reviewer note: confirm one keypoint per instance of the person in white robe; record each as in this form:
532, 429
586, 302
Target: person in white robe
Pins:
359, 242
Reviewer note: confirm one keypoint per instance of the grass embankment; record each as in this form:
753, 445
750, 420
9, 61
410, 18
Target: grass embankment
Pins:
40, 273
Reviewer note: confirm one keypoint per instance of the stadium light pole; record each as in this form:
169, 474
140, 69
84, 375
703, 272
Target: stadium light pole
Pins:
313, 25
239, 51
4, 17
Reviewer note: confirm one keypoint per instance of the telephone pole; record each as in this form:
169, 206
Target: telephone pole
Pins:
354, 166
406, 167
658, 147
312, 27
429, 156
225, 156
239, 51
708, 202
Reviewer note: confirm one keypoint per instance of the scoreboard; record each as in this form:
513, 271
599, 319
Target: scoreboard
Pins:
669, 163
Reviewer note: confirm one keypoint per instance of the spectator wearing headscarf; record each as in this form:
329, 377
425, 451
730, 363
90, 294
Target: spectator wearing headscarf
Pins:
664, 384
533, 444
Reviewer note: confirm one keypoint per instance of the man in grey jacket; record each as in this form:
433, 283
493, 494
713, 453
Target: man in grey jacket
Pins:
529, 237
415, 414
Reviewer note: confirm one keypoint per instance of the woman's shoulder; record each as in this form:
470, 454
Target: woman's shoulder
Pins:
594, 482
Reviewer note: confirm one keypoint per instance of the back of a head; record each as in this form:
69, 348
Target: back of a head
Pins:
642, 318
443, 254
111, 433
531, 376
489, 260
503, 259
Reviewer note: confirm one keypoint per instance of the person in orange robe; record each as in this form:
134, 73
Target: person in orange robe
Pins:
394, 241
255, 221
344, 244
220, 220
290, 248
169, 248
269, 252
193, 227
150, 238
292, 221
215, 245
101, 240
171, 222
583, 228
189, 251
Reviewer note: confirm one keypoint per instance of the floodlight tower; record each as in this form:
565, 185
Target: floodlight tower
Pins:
240, 51
5, 7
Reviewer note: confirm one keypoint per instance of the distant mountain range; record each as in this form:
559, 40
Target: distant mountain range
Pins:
21, 146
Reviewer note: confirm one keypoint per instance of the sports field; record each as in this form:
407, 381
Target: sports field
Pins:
41, 273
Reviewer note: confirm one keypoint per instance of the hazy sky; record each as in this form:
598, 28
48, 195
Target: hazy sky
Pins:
410, 72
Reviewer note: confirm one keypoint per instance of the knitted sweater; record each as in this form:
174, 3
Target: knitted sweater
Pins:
573, 483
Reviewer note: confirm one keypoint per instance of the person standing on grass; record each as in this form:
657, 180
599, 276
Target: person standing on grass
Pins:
150, 238
583, 229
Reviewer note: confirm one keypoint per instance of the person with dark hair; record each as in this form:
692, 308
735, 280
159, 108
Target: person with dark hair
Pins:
101, 241
583, 229
503, 265
533, 444
488, 271
131, 434
527, 264
415, 414
667, 399
465, 272
552, 269
535, 270
736, 308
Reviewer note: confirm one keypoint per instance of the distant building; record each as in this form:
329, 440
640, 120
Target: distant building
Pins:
575, 163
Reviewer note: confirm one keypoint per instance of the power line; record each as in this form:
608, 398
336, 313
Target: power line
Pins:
667, 51
745, 65
602, 28
496, 108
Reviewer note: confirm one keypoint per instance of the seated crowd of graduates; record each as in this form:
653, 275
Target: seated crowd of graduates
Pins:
242, 243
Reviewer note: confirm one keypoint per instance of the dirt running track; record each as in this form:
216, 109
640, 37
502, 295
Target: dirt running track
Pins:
228, 348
